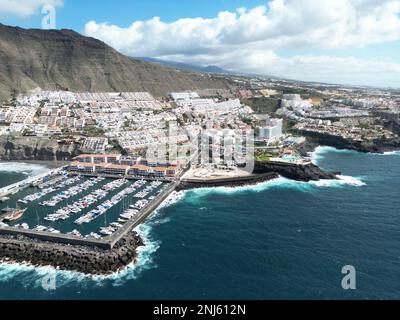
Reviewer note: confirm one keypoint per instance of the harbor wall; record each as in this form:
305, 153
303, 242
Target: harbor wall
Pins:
106, 243
21, 185
142, 215
56, 238
88, 260
226, 182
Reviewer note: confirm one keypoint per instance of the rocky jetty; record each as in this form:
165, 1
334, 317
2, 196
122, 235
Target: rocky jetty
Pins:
315, 139
306, 173
88, 260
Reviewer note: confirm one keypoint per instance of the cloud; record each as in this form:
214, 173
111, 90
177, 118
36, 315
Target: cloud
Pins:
347, 70
247, 39
26, 8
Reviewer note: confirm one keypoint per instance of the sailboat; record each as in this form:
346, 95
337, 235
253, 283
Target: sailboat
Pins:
15, 214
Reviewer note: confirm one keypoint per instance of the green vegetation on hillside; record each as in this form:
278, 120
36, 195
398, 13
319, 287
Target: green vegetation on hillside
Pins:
262, 105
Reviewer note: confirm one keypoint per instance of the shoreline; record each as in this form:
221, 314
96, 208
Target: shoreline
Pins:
46, 163
316, 139
103, 262
86, 260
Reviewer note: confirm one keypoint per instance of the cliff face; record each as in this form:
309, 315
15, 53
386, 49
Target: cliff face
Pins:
304, 173
64, 59
378, 146
32, 148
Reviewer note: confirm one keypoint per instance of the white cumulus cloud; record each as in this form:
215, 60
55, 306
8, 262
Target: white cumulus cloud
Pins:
26, 8
248, 39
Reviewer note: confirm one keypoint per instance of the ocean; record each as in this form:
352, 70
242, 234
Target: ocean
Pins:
276, 240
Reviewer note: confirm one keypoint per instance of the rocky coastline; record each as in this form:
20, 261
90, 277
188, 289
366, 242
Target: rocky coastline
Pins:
229, 183
315, 139
87, 260
97, 261
304, 173
34, 148
264, 171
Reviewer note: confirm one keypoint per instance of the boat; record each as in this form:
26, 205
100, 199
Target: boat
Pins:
40, 228
15, 215
25, 226
4, 199
75, 233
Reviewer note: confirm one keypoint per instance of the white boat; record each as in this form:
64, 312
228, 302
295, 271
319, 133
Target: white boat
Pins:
25, 226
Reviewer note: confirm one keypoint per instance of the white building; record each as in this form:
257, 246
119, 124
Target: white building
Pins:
188, 95
272, 130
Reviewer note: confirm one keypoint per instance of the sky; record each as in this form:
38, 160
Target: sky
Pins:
341, 41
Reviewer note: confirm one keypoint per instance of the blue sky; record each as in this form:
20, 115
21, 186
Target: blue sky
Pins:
74, 14
346, 41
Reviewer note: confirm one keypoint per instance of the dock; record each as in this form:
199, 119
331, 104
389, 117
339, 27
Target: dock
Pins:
21, 185
106, 243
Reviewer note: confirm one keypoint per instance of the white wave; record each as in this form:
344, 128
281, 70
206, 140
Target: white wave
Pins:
391, 153
22, 167
144, 260
282, 183
172, 199
33, 276
342, 181
320, 152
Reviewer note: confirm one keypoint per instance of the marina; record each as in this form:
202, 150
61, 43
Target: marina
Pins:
78, 209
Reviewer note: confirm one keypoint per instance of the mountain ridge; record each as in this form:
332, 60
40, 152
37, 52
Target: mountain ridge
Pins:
64, 59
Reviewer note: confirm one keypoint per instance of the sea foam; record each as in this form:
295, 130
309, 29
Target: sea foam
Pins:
280, 183
391, 153
21, 167
33, 276
320, 152
145, 260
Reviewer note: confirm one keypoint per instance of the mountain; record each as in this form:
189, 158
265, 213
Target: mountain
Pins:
187, 66
64, 59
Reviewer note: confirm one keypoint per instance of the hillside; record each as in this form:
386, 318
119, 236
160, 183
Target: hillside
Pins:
64, 59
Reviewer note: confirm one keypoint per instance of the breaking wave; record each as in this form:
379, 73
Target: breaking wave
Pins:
36, 277
392, 153
21, 167
32, 277
283, 183
320, 152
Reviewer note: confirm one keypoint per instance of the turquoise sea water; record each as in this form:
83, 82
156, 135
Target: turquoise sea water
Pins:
277, 240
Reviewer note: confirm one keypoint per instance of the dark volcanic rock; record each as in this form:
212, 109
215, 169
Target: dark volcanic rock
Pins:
32, 148
304, 173
230, 183
378, 146
86, 260
264, 171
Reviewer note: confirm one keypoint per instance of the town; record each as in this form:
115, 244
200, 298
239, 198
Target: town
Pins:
131, 151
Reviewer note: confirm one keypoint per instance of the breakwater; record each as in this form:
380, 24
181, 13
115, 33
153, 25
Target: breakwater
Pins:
84, 259
226, 182
110, 254
69, 252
